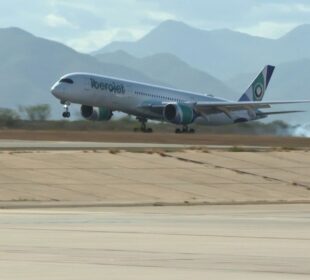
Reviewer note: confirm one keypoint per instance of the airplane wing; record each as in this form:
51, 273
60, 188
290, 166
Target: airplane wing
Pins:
236, 106
225, 106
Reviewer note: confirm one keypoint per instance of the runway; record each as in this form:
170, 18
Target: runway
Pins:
26, 145
49, 231
123, 138
210, 242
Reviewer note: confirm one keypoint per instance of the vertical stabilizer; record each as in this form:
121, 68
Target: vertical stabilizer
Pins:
257, 89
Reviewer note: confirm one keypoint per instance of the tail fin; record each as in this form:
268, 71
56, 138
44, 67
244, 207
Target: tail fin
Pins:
257, 89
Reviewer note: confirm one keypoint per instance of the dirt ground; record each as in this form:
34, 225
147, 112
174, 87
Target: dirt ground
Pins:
157, 137
180, 177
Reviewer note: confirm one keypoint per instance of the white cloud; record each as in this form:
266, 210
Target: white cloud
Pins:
268, 29
88, 24
160, 16
56, 21
283, 9
73, 5
303, 8
94, 40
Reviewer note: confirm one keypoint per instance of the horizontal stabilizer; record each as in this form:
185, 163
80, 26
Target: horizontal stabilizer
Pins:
277, 113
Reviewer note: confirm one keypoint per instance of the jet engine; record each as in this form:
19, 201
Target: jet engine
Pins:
179, 114
96, 114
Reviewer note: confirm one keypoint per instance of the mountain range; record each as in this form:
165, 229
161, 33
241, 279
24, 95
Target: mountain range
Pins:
220, 62
222, 53
30, 65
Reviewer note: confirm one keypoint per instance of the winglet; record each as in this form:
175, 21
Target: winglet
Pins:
257, 89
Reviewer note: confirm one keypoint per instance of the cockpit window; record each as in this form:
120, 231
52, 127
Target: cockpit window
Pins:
66, 80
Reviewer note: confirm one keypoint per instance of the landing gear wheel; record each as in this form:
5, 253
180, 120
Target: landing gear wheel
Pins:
185, 129
143, 127
66, 115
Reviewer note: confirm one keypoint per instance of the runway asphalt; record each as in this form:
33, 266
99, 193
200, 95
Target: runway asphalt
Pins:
27, 145
203, 139
77, 145
210, 242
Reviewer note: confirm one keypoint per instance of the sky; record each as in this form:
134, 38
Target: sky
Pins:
87, 25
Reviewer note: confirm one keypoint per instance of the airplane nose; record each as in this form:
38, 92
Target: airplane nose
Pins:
55, 90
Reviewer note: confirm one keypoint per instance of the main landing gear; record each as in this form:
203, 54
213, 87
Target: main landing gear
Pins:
185, 129
143, 127
66, 114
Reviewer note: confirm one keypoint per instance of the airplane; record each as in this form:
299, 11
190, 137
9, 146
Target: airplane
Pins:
99, 96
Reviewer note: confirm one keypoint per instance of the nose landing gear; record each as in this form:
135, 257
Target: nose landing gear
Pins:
66, 114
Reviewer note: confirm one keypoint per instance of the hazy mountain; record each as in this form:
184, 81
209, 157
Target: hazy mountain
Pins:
222, 53
290, 81
169, 69
293, 45
30, 65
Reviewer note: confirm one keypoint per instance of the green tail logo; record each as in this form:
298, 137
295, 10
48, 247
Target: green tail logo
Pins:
258, 88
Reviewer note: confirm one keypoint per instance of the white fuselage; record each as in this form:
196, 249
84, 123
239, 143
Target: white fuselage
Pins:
130, 97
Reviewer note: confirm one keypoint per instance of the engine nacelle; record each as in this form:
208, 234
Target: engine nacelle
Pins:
179, 114
96, 114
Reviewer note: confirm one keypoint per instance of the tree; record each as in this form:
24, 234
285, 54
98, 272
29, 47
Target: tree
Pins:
40, 112
8, 117
8, 114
